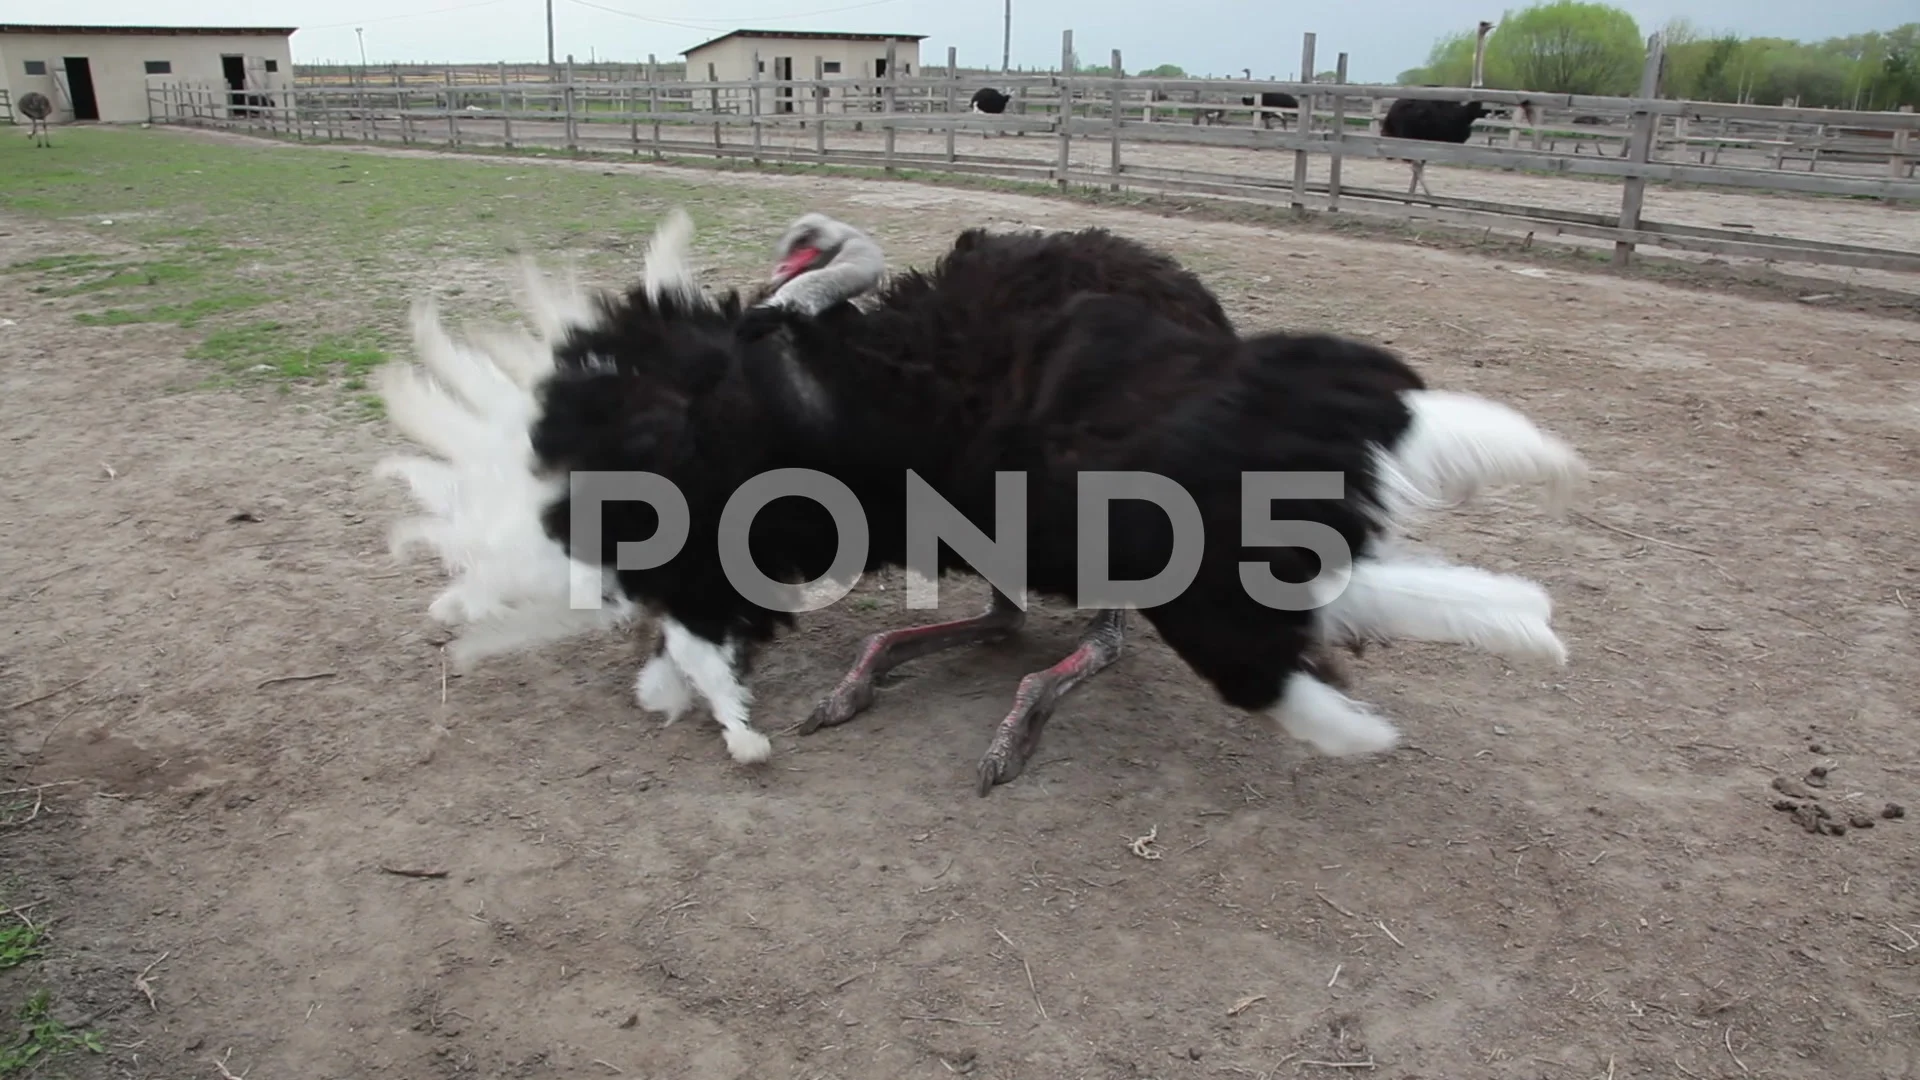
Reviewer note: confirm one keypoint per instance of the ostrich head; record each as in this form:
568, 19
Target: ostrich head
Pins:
821, 262
1246, 73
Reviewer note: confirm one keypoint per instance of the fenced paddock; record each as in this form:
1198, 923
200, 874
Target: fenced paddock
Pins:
1706, 161
229, 745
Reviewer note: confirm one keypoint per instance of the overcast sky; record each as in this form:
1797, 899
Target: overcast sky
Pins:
1382, 37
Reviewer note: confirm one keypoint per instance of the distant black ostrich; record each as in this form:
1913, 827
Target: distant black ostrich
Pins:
989, 101
1271, 99
36, 108
1045, 355
1435, 121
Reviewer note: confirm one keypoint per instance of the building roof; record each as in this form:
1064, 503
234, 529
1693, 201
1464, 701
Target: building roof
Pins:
804, 35
152, 31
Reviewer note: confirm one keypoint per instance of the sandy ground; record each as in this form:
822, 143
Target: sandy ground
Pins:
1567, 874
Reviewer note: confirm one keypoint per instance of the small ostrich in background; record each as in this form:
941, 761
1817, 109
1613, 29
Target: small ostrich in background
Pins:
989, 101
36, 108
1271, 99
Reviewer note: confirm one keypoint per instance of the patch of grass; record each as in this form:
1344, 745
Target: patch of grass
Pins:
51, 264
219, 239
275, 350
41, 1038
189, 314
18, 944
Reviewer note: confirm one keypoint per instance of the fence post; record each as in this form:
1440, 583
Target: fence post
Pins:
653, 101
633, 117
1639, 147
888, 100
1897, 162
1339, 135
1305, 126
1063, 115
1119, 74
953, 98
713, 103
566, 98
453, 118
506, 109
753, 104
819, 108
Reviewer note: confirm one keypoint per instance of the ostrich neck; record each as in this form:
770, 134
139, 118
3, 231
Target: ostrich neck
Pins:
858, 268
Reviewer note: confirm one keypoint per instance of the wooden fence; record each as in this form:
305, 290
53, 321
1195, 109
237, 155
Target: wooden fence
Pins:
1057, 124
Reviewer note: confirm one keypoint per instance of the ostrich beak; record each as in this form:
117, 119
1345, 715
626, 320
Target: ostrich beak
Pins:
795, 262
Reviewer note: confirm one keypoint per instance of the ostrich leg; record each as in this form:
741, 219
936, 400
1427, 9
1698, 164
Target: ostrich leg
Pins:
1019, 734
882, 652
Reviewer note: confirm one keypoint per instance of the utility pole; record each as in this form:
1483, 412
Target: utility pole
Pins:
1006, 37
550, 60
361, 33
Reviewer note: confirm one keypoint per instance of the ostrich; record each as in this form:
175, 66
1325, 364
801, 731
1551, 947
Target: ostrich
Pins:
36, 108
1271, 99
989, 101
1443, 121
1046, 355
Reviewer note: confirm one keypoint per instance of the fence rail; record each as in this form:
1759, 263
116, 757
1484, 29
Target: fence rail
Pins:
918, 120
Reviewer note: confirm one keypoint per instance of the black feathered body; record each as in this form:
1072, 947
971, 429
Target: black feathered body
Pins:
1043, 354
1431, 121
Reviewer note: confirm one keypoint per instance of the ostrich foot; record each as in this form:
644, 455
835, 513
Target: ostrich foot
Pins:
1015, 740
882, 652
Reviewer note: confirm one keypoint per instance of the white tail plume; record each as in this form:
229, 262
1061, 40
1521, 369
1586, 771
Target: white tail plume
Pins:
1460, 443
667, 265
511, 583
1500, 613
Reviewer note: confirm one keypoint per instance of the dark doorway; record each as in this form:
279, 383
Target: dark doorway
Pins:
80, 88
234, 70
783, 69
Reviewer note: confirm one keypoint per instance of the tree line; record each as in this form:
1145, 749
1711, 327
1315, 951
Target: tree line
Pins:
1572, 47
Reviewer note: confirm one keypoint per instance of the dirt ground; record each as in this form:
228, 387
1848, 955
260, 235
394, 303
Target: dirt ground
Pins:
1566, 874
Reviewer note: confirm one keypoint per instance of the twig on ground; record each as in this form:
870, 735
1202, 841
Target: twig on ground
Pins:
1367, 1064
1143, 846
38, 787
1728, 1039
141, 984
1642, 536
296, 678
951, 1020
1325, 899
55, 692
1389, 933
1245, 1003
401, 871
221, 1064
19, 911
1034, 989
1336, 975
610, 1065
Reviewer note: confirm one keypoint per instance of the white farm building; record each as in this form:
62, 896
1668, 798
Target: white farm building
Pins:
102, 72
791, 54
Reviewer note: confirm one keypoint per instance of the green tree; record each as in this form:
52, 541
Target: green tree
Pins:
1874, 70
1566, 47
1165, 71
1449, 63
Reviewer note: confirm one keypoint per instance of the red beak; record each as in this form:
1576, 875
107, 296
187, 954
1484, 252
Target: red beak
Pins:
795, 263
